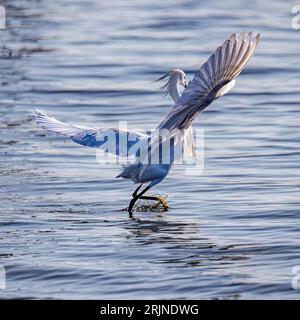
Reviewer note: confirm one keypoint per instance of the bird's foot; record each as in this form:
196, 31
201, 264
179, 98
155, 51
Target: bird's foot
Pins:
161, 200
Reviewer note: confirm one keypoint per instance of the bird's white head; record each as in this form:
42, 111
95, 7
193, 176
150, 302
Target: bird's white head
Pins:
173, 79
180, 75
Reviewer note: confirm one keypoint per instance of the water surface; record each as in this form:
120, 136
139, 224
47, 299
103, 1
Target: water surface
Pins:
233, 231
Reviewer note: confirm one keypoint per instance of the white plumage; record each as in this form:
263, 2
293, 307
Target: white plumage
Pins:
215, 78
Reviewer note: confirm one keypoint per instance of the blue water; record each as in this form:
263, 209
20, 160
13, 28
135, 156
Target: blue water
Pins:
232, 232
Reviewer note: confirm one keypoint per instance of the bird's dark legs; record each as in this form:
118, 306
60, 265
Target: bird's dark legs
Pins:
137, 196
136, 191
159, 199
149, 198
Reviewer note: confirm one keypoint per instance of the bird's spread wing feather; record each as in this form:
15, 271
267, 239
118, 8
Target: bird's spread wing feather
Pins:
92, 137
212, 80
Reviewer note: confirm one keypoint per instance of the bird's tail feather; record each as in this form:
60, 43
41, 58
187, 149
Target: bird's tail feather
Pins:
131, 172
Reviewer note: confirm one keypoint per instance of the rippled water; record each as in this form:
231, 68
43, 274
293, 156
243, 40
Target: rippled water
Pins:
232, 231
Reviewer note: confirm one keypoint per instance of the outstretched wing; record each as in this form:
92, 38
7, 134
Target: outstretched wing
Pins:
214, 79
93, 137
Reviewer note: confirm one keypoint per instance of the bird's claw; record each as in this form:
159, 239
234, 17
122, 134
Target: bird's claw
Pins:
161, 200
164, 202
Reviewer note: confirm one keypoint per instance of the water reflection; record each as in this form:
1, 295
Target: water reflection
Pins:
160, 229
184, 239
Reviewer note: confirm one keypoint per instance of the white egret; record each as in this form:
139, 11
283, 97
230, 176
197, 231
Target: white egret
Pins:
215, 78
